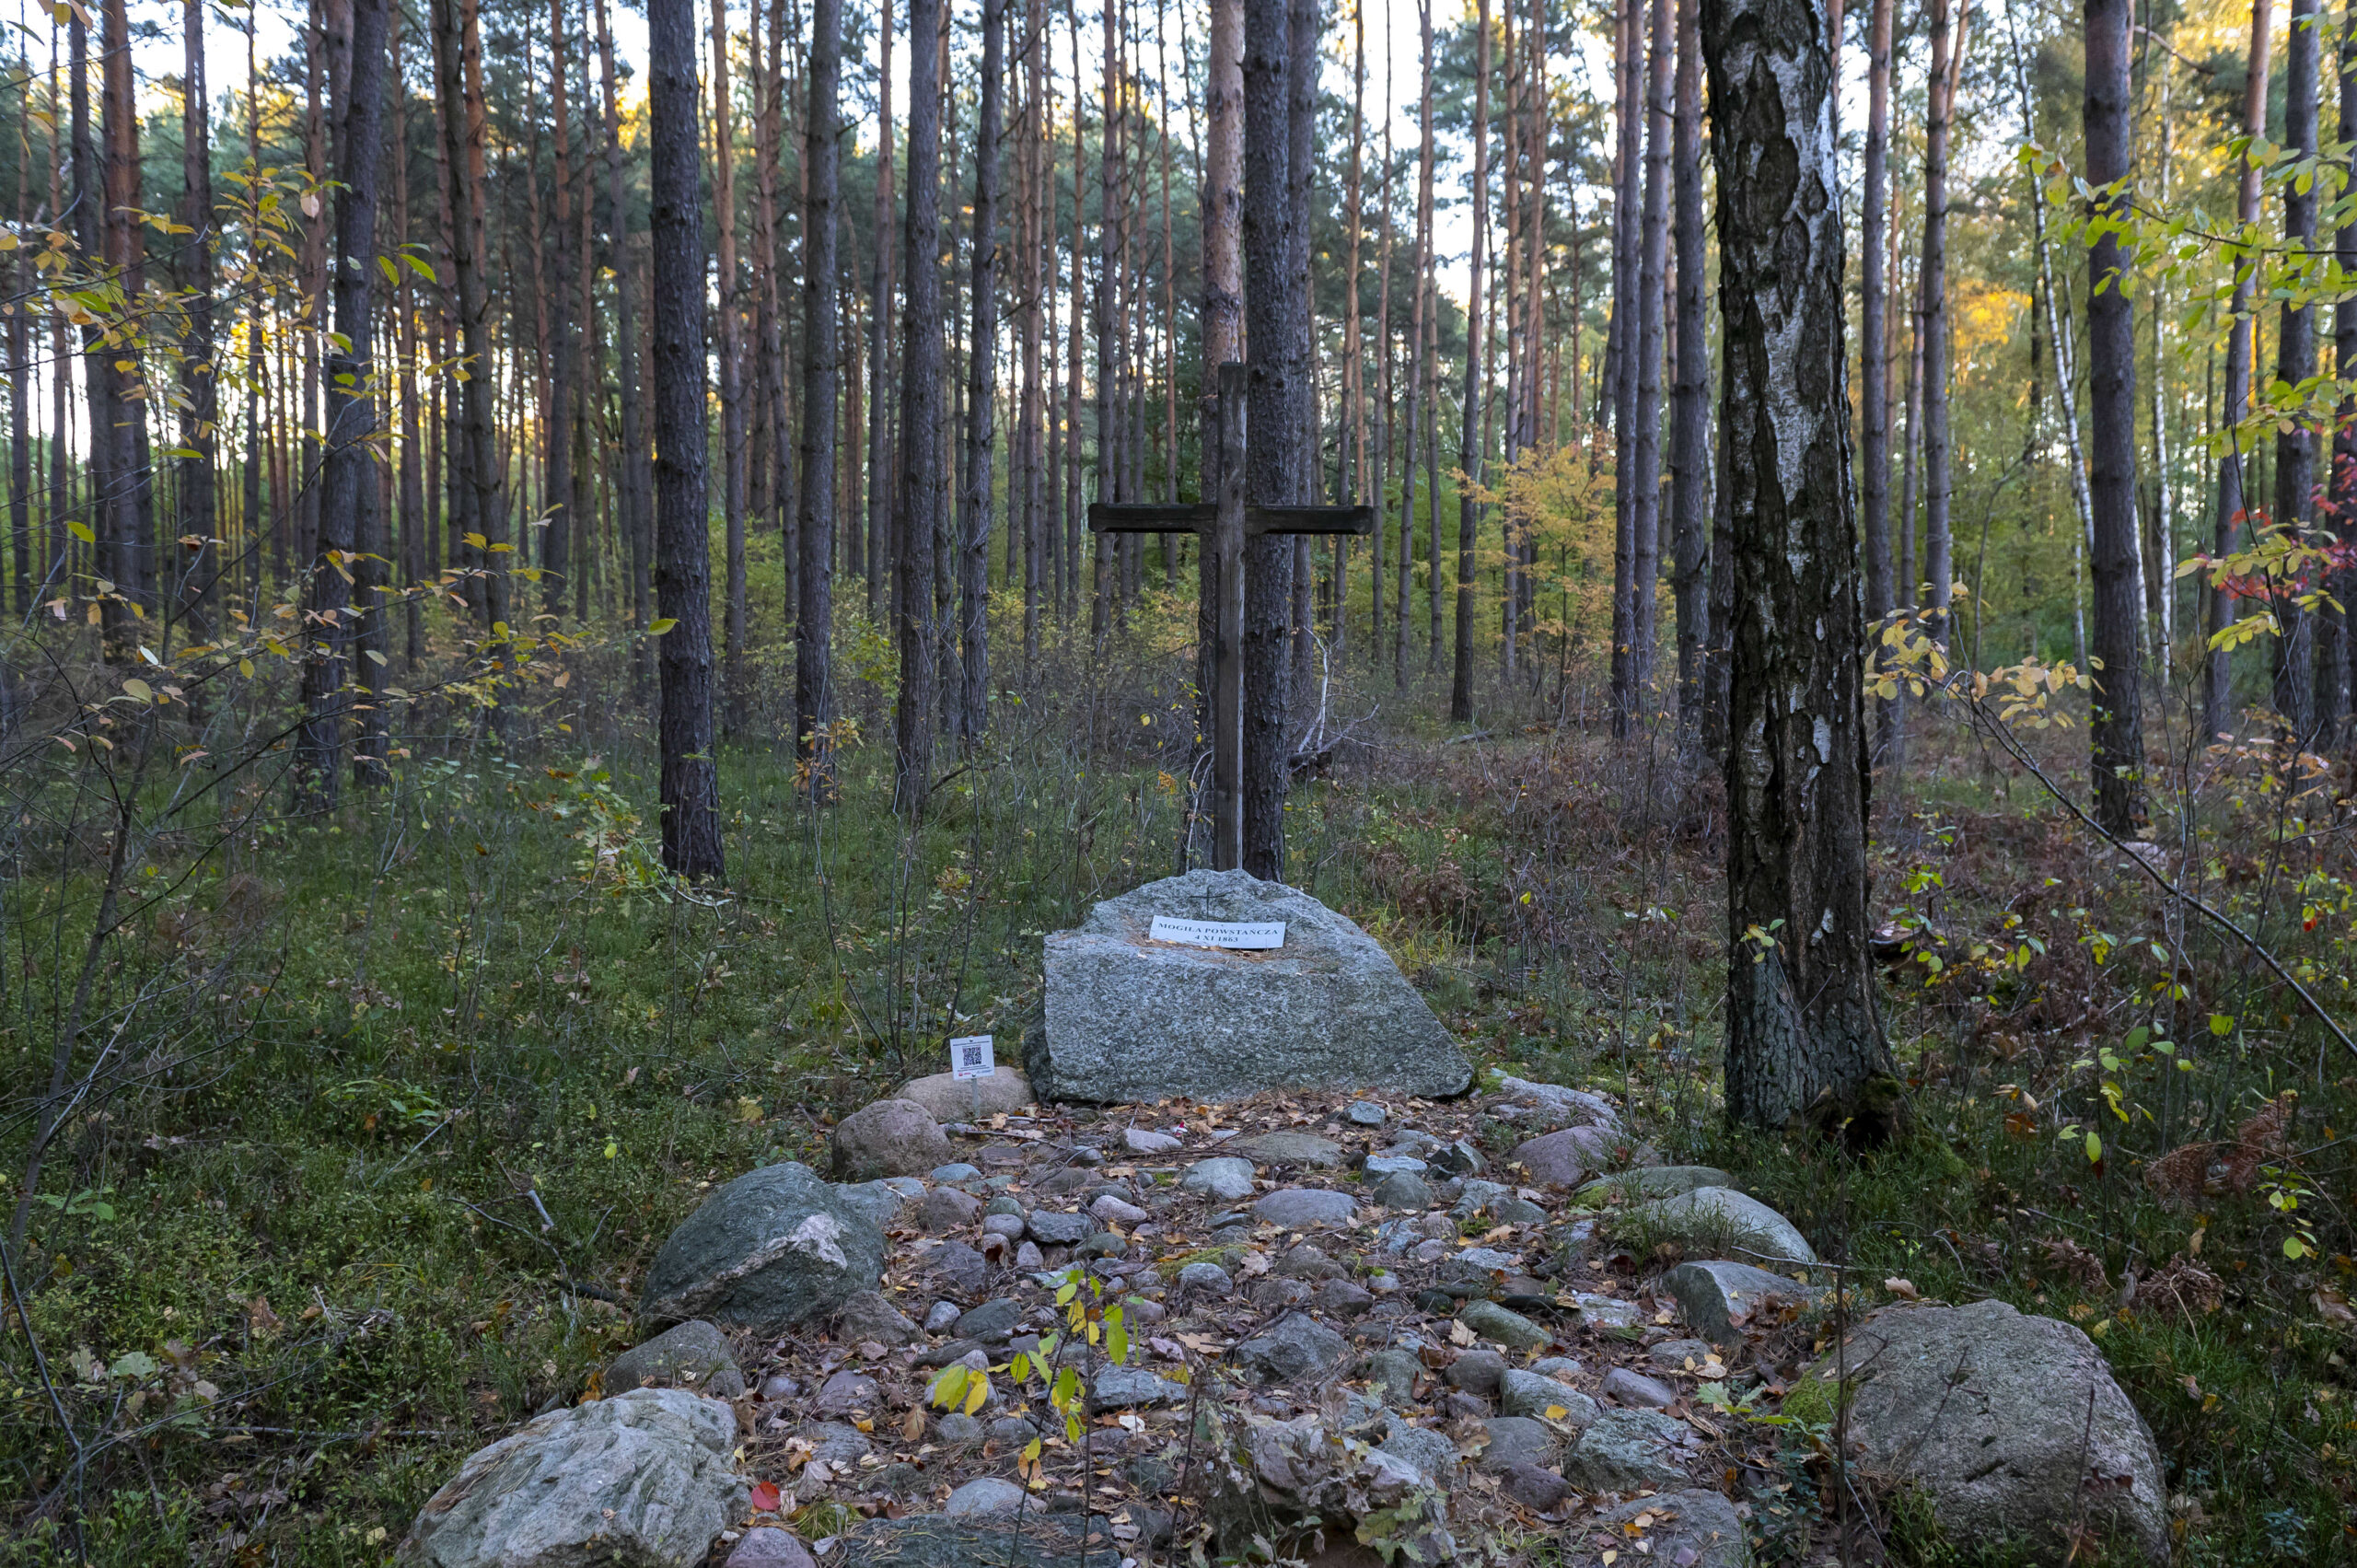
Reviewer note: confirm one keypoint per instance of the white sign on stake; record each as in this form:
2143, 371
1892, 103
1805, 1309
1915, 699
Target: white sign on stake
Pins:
971, 1057
1252, 933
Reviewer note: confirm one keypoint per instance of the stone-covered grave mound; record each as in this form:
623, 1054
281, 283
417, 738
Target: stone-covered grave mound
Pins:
1359, 1329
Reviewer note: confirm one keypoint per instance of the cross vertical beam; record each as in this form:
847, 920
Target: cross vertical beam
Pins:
1224, 526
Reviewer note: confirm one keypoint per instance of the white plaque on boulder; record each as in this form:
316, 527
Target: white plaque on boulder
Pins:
1243, 934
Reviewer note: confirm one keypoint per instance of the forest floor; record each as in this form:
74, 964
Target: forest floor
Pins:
416, 1092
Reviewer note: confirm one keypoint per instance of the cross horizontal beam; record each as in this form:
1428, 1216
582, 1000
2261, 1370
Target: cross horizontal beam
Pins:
1146, 516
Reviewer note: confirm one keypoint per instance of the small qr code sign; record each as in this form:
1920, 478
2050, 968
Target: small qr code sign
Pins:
971, 1057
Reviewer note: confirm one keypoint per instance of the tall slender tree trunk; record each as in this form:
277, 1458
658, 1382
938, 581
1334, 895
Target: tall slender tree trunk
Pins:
1272, 458
982, 395
1800, 1010
459, 69
1873, 327
691, 778
1301, 115
728, 345
637, 484
2334, 673
2296, 361
918, 510
199, 562
1948, 59
1419, 272
1469, 451
1689, 408
2118, 727
557, 535
822, 373
352, 414
1653, 264
2217, 695
880, 490
1620, 354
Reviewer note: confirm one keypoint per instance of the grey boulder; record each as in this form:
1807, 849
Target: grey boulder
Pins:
692, 1355
1222, 1178
947, 1097
1128, 1388
891, 1137
1719, 1219
867, 1316
774, 1247
1299, 1208
1650, 1181
1550, 1106
1132, 1019
645, 1478
1530, 1394
1623, 1449
1700, 1529
1287, 1147
1720, 1300
1293, 1350
2011, 1425
769, 1549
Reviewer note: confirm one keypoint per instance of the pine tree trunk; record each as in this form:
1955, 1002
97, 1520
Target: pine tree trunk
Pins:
1305, 25
2217, 696
728, 347
475, 465
2117, 729
1689, 407
880, 492
2333, 652
352, 414
199, 564
1874, 332
1272, 458
822, 343
1800, 1012
1468, 454
981, 397
1939, 565
557, 533
918, 510
1621, 353
2296, 361
690, 780
1420, 273
637, 482
1652, 265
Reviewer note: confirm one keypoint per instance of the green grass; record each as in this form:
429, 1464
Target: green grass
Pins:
416, 1097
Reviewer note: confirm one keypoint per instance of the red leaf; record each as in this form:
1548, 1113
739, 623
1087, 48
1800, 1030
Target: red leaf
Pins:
765, 1497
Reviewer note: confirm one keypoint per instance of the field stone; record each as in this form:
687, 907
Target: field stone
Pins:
1703, 1524
1301, 1208
644, 1477
1460, 1158
1402, 1189
837, 1443
946, 1209
1720, 1219
1533, 1488
2010, 1424
778, 1386
1364, 1113
957, 1427
769, 1549
1343, 1298
1637, 1390
1518, 1440
1115, 1211
1430, 1453
1101, 1244
983, 1494
1568, 1157
1556, 1105
1220, 1177
1622, 1450
1292, 1350
1671, 1355
1392, 1376
1502, 1326
693, 1355
1530, 1394
891, 1137
991, 1322
1287, 1147
868, 1316
1650, 1181
1600, 1311
1476, 1372
956, 1171
959, 1265
880, 1202
1011, 1226
1131, 1020
846, 1393
941, 1316
1146, 1141
944, 1098
1051, 1229
1208, 1280
1131, 1388
775, 1247
1718, 1298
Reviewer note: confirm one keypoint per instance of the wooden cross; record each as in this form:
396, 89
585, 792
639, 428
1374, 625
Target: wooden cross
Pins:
1224, 523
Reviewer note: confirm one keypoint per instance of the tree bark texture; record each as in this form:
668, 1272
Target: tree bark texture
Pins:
2217, 695
1269, 309
691, 778
821, 374
982, 395
1800, 1015
2296, 361
921, 481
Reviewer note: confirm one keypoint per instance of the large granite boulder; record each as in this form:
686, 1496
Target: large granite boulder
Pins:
2011, 1426
645, 1478
774, 1247
1130, 1018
